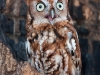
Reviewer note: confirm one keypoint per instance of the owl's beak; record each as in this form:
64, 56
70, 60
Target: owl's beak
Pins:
52, 13
51, 16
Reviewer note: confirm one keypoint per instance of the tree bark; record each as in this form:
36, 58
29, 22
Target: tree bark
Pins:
9, 65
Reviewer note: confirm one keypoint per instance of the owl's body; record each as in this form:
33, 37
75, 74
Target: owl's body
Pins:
52, 42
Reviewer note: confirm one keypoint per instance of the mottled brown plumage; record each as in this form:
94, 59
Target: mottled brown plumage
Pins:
52, 42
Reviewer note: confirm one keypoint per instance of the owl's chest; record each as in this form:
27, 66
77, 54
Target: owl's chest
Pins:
51, 50
48, 38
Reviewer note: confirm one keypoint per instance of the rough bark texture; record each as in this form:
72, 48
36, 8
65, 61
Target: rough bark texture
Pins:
9, 65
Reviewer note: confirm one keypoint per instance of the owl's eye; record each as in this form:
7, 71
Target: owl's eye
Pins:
40, 7
60, 6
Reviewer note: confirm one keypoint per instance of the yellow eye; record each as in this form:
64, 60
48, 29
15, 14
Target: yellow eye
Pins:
40, 7
60, 6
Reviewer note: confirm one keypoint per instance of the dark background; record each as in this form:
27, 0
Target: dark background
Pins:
86, 18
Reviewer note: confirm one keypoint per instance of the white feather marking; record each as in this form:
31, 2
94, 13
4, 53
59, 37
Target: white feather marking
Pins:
69, 45
73, 71
36, 64
65, 28
52, 37
51, 34
65, 55
66, 63
49, 51
41, 42
77, 36
28, 48
58, 59
73, 44
50, 40
69, 35
45, 37
78, 68
45, 33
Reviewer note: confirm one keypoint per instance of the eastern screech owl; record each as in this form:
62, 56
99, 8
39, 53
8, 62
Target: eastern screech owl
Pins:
52, 42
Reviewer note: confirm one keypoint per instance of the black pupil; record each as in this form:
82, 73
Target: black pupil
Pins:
60, 6
40, 6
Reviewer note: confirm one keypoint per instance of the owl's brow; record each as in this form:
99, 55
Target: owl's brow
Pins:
45, 1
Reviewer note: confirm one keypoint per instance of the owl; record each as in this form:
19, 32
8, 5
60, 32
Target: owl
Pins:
52, 43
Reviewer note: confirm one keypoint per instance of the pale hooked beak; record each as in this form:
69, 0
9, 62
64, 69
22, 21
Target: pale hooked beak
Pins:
52, 13
51, 16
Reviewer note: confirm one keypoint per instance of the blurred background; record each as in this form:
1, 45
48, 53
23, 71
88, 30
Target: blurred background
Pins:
86, 18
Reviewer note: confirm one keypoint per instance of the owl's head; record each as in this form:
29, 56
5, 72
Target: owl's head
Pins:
48, 11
